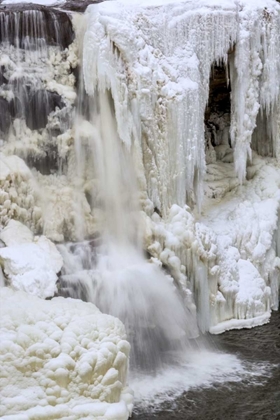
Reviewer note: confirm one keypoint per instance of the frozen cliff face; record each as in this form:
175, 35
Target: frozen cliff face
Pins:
61, 359
37, 100
156, 60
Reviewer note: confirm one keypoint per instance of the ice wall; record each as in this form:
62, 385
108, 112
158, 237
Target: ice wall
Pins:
156, 59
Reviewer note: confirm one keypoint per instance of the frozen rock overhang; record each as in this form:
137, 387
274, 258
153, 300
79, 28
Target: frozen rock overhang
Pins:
61, 359
156, 58
30, 263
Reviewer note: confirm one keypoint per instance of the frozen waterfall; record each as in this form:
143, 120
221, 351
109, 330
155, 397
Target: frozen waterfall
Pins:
139, 174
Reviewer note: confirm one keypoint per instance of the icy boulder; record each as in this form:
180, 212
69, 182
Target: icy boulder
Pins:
19, 193
61, 359
30, 264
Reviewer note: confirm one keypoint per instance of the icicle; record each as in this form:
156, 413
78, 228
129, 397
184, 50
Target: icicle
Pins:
168, 78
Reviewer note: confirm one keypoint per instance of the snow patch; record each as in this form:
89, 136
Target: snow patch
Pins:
30, 264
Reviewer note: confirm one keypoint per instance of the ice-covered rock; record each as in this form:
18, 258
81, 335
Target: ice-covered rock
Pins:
30, 264
61, 359
19, 194
156, 59
228, 256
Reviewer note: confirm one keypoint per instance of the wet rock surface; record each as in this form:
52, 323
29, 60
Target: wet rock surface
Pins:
41, 103
78, 5
242, 400
5, 117
51, 25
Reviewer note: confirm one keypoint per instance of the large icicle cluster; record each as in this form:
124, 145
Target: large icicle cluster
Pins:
255, 72
156, 59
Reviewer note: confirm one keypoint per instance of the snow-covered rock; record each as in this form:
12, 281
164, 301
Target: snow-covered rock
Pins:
61, 359
30, 264
227, 256
18, 193
15, 233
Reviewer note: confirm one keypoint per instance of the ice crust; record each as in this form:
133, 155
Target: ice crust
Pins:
61, 359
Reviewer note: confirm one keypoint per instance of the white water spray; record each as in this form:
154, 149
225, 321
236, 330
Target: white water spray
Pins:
119, 280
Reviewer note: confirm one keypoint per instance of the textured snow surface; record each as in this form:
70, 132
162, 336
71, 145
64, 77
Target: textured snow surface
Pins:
61, 359
53, 203
246, 227
30, 263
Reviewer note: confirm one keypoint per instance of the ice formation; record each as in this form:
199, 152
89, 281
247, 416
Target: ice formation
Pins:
29, 263
157, 63
61, 359
156, 60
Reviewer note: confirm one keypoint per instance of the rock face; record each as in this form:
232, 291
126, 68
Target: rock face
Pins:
39, 23
79, 6
40, 104
5, 116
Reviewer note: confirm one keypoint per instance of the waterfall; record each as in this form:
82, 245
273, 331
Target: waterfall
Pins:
104, 158
114, 274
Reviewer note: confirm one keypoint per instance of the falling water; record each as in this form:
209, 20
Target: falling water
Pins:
28, 38
115, 275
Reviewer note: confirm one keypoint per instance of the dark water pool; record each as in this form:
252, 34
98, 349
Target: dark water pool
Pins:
244, 400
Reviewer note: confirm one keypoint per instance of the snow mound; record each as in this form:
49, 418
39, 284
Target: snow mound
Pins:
30, 264
61, 359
